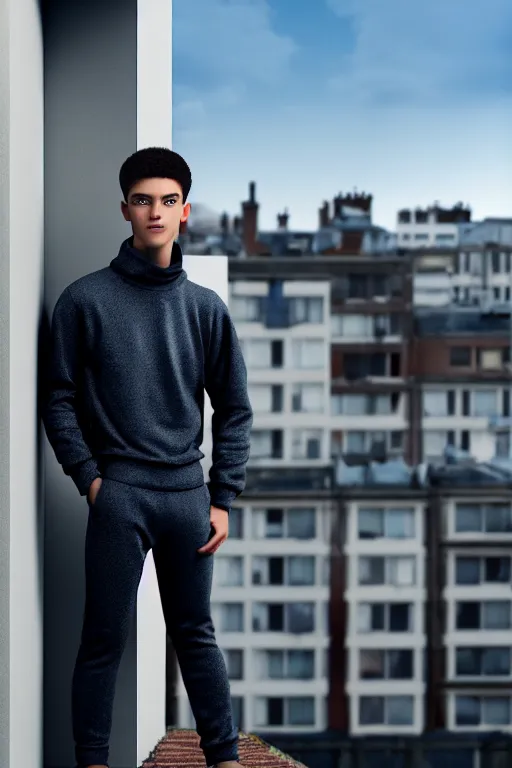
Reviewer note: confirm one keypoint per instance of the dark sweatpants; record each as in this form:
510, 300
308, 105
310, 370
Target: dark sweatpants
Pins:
126, 521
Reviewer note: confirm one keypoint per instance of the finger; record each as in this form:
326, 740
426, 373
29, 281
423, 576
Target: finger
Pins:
214, 542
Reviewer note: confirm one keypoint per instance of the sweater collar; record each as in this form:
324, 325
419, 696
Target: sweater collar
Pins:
132, 264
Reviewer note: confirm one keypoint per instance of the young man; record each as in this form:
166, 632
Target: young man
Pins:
133, 346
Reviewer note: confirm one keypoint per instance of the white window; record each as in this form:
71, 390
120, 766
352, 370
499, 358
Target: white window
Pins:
307, 443
482, 710
279, 711
384, 617
398, 571
482, 662
487, 517
308, 353
231, 617
485, 402
388, 664
245, 308
306, 309
471, 570
257, 353
298, 523
308, 398
386, 710
296, 570
435, 403
261, 444
377, 523
260, 396
234, 659
295, 618
228, 571
277, 664
484, 615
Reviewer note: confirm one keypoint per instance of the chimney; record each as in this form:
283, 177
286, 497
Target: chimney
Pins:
250, 221
282, 219
323, 215
224, 224
237, 225
337, 202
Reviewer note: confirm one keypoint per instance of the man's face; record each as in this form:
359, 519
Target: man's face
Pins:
155, 202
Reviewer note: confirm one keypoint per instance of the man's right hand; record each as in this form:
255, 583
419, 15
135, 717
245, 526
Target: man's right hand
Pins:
94, 489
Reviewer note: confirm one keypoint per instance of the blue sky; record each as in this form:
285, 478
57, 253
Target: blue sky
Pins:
407, 100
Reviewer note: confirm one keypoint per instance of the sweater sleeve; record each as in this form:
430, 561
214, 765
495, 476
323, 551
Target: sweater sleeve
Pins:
226, 385
59, 413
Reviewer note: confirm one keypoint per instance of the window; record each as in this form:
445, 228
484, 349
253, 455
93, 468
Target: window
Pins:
232, 617
438, 403
495, 262
276, 346
296, 618
490, 359
298, 570
306, 443
384, 617
236, 523
306, 309
229, 571
298, 523
308, 353
365, 405
488, 517
266, 444
482, 662
398, 571
289, 665
386, 523
257, 353
485, 402
386, 710
234, 659
292, 710
237, 706
307, 398
482, 710
389, 664
246, 308
488, 614
481, 570
460, 356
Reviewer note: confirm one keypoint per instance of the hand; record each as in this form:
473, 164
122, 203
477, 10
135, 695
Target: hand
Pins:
219, 520
95, 488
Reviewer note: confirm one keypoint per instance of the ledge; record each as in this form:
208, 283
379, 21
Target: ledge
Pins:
181, 748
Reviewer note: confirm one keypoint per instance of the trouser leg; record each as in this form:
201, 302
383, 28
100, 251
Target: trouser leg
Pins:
115, 550
185, 580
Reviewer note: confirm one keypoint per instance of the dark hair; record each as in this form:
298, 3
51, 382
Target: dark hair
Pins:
155, 162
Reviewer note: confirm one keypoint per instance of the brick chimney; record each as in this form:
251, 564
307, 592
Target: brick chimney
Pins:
323, 215
282, 219
250, 220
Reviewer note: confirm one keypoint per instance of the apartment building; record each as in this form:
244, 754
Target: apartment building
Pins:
461, 367
432, 227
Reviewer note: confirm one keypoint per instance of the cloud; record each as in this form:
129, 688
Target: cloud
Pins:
425, 53
229, 43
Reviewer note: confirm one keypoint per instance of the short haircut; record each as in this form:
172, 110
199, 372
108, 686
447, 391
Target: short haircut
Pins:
155, 162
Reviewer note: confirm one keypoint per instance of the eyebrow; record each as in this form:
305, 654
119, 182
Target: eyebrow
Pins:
150, 197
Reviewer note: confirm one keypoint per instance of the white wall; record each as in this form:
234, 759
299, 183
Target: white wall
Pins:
21, 275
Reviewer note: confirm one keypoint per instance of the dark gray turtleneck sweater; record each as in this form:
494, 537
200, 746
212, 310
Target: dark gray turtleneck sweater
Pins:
133, 346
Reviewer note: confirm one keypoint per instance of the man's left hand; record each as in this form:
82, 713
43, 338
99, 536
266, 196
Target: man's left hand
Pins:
219, 520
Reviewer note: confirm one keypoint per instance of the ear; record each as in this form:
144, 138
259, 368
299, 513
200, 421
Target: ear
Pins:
186, 212
125, 211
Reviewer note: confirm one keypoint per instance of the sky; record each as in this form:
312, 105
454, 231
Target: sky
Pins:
405, 100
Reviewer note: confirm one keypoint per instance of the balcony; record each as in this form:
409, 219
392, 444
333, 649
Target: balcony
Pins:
288, 479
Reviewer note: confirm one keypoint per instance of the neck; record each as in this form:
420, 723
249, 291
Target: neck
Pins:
160, 256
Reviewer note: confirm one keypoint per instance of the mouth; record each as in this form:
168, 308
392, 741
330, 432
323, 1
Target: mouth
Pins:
156, 228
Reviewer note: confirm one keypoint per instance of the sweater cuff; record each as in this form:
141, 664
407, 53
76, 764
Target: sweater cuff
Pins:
83, 474
220, 497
